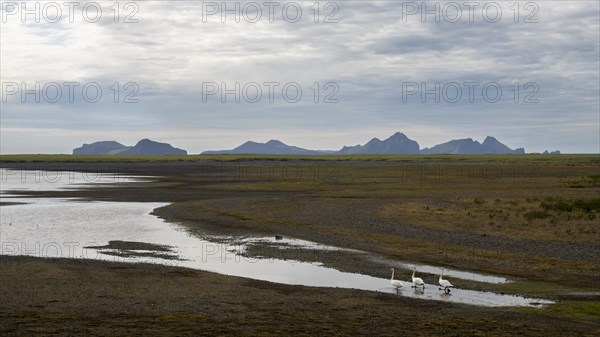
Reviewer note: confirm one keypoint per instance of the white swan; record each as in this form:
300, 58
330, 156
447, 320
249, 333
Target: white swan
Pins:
444, 283
417, 281
395, 283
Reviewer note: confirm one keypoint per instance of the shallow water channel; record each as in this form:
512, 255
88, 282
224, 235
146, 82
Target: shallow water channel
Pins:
46, 227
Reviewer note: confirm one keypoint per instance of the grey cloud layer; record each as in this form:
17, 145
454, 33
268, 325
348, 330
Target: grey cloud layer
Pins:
369, 53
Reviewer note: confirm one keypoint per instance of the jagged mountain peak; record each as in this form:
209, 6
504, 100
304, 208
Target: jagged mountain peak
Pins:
398, 135
398, 143
469, 146
275, 142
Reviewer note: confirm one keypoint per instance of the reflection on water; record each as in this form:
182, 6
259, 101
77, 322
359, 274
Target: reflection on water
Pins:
62, 228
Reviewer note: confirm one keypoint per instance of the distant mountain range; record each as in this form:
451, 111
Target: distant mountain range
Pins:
144, 147
270, 147
398, 143
469, 146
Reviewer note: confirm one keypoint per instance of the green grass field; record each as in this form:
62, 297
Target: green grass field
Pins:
249, 157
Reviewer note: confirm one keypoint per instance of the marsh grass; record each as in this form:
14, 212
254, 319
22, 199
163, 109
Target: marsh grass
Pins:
581, 310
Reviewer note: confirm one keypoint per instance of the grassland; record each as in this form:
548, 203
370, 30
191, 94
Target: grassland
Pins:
254, 157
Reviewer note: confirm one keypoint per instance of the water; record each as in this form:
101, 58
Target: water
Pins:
451, 273
64, 227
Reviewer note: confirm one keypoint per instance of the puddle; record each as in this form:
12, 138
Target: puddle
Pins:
64, 227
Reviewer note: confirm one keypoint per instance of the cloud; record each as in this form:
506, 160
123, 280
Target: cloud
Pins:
369, 53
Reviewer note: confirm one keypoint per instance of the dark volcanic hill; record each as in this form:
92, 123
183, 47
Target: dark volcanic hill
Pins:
469, 146
493, 146
144, 147
270, 147
398, 143
97, 148
147, 147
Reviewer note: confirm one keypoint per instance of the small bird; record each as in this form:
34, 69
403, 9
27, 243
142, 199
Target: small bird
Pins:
444, 283
417, 281
395, 283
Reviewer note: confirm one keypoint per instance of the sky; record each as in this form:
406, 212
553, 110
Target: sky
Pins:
316, 76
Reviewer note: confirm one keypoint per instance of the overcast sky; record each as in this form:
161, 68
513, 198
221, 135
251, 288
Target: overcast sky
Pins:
374, 61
